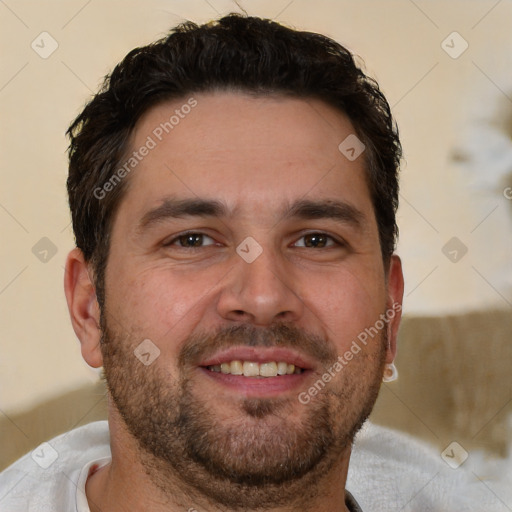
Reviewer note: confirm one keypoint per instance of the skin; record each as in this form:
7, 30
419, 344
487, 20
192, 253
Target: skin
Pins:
256, 155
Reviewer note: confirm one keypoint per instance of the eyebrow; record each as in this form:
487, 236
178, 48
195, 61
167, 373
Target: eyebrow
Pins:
337, 210
170, 208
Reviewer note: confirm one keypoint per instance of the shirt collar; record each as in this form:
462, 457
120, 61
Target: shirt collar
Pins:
351, 503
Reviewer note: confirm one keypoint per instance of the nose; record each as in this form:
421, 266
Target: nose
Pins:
261, 292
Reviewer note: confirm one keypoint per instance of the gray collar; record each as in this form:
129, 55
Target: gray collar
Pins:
351, 503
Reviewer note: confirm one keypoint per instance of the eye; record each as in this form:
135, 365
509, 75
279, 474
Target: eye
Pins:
318, 240
189, 240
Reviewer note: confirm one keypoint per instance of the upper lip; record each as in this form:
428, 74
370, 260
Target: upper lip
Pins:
259, 355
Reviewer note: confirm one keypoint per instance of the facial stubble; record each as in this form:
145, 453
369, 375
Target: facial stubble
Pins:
267, 452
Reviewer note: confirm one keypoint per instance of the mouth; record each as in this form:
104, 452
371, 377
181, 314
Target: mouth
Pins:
262, 372
255, 369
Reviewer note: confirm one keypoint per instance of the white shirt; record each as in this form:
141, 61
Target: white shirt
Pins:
52, 477
388, 471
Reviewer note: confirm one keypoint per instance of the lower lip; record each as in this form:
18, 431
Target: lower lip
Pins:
259, 386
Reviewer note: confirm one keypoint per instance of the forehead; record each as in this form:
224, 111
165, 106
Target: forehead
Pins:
252, 153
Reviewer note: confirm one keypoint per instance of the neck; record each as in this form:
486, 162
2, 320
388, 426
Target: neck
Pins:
128, 484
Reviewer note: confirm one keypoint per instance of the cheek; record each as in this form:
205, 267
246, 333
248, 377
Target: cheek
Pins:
156, 303
347, 304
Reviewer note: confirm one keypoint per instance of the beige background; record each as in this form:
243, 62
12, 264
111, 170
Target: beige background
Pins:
455, 122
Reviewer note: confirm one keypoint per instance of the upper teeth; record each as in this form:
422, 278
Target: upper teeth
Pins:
253, 369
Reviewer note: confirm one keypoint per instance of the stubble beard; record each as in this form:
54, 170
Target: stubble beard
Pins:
272, 452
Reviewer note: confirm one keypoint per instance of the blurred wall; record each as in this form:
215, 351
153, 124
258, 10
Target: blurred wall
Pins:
453, 105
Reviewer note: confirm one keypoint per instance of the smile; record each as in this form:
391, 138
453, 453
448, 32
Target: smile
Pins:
255, 369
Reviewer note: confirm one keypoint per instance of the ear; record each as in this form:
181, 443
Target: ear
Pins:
395, 290
83, 307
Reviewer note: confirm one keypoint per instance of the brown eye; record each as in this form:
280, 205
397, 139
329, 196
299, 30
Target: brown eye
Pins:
318, 240
189, 240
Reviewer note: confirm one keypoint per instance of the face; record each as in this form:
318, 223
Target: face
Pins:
246, 250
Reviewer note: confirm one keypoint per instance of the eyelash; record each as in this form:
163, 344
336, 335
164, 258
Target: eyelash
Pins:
169, 243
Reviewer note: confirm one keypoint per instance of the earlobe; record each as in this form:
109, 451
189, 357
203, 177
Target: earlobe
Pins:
83, 307
395, 285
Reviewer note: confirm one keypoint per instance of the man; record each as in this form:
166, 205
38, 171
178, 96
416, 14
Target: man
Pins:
233, 189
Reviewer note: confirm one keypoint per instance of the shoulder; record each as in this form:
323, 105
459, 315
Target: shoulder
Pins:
390, 470
44, 478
